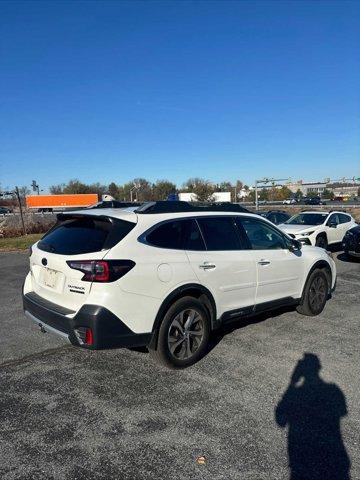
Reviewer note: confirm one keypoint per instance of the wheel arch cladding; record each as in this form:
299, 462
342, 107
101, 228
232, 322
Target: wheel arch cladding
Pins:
322, 234
320, 265
192, 290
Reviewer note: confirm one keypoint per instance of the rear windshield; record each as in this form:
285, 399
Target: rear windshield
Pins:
74, 236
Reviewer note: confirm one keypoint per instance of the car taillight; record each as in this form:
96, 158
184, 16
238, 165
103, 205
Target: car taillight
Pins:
101, 270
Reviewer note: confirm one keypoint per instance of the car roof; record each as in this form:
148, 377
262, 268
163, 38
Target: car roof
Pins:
316, 211
325, 212
152, 218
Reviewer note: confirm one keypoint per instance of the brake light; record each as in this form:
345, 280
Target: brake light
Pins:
101, 270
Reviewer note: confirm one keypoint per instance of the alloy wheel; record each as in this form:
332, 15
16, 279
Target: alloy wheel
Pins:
317, 293
186, 333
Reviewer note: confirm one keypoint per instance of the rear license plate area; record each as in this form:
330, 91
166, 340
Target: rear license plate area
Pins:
49, 277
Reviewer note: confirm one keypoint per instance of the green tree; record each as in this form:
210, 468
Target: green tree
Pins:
97, 188
113, 190
143, 189
74, 186
203, 189
57, 189
239, 185
224, 187
251, 196
283, 193
23, 191
311, 194
299, 194
328, 194
263, 194
161, 189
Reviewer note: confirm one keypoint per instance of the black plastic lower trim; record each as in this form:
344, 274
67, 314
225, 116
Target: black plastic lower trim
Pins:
108, 330
255, 309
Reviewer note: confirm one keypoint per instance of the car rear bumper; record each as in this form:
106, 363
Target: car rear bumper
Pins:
108, 331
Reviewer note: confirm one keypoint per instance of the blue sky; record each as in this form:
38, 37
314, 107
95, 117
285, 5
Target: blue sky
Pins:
109, 91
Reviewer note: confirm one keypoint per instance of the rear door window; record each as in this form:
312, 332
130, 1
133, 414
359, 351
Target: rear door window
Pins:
74, 236
344, 218
168, 235
219, 233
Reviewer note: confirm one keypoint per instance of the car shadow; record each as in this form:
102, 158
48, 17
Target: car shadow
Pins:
335, 247
238, 323
347, 259
311, 410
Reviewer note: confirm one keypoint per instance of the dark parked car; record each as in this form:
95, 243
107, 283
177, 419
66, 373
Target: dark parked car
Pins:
351, 242
276, 216
4, 210
314, 201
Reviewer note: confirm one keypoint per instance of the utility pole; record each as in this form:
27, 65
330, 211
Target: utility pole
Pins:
17, 193
265, 181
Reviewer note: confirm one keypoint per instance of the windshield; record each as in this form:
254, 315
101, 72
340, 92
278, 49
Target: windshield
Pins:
307, 219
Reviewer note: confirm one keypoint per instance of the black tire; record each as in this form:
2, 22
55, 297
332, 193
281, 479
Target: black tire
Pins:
315, 294
174, 344
321, 241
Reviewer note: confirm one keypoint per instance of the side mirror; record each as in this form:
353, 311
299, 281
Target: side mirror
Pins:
295, 246
332, 224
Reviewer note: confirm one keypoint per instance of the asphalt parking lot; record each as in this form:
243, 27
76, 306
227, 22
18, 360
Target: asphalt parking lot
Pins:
68, 413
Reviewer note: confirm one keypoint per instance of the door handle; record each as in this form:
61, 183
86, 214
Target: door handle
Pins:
263, 262
207, 266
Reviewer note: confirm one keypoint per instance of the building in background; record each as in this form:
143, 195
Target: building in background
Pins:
345, 191
308, 187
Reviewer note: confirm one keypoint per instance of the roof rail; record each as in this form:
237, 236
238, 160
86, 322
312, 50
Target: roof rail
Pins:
314, 211
180, 206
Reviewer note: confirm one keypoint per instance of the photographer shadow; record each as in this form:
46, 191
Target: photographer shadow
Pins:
312, 410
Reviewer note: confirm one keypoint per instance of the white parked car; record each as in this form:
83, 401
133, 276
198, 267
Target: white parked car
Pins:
152, 277
289, 201
318, 228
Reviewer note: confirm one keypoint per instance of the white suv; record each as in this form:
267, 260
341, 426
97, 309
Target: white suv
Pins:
165, 279
318, 228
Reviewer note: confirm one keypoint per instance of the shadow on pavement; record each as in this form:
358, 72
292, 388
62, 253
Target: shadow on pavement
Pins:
343, 257
312, 410
235, 324
242, 322
335, 247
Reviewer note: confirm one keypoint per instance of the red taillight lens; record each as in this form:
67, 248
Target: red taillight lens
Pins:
102, 270
89, 339
84, 335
